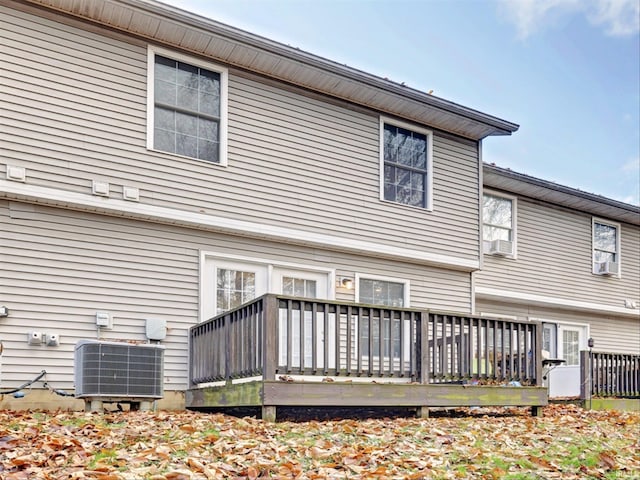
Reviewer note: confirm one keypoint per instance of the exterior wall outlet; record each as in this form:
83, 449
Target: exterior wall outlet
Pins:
4, 311
156, 328
35, 338
103, 319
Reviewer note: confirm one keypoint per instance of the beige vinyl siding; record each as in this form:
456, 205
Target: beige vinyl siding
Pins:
59, 267
610, 333
555, 259
75, 103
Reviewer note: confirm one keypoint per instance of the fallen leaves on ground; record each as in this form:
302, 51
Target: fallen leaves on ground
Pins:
565, 443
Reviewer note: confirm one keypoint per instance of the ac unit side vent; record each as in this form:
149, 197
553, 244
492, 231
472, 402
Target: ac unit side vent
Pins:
118, 370
500, 247
605, 268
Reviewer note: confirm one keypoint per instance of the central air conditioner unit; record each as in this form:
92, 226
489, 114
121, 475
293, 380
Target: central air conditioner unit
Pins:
500, 247
118, 371
605, 268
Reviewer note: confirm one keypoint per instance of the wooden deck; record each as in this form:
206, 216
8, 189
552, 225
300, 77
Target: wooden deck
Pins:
282, 351
610, 380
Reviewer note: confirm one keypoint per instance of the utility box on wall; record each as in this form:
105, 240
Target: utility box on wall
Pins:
114, 371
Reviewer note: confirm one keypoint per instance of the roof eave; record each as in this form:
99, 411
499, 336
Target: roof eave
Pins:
145, 17
562, 195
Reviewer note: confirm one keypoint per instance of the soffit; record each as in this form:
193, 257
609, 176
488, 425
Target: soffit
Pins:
168, 25
550, 192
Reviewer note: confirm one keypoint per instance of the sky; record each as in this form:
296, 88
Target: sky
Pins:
566, 71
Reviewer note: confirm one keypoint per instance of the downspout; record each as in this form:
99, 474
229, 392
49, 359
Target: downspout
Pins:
480, 243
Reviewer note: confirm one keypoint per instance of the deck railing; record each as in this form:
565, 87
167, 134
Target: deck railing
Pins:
606, 374
277, 336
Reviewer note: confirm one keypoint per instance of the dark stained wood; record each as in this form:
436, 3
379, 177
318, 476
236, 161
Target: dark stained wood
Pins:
401, 395
608, 374
457, 353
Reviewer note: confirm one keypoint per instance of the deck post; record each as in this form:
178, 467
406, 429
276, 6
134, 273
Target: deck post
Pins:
423, 357
269, 413
269, 350
422, 412
585, 378
536, 411
423, 347
537, 354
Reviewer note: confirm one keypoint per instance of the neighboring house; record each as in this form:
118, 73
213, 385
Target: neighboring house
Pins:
159, 167
567, 258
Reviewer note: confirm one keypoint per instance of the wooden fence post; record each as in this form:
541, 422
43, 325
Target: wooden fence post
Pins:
585, 378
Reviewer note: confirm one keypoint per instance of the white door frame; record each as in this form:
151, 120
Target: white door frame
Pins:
564, 380
265, 270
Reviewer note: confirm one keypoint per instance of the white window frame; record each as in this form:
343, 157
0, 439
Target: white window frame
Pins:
238, 262
514, 226
429, 180
406, 302
618, 254
152, 51
404, 281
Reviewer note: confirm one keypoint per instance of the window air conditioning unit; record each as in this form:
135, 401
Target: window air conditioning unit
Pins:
500, 247
118, 371
605, 268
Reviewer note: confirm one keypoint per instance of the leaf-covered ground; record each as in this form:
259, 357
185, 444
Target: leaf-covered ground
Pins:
566, 442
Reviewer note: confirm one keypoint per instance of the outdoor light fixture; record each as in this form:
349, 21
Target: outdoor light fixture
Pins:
590, 342
346, 282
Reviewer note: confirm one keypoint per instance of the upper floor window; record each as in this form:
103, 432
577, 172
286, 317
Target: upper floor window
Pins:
498, 224
606, 248
376, 291
187, 107
406, 163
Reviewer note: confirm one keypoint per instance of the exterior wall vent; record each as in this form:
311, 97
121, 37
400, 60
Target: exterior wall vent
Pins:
500, 247
605, 268
114, 371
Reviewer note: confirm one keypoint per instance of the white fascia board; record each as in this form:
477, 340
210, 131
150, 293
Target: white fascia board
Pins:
172, 216
552, 302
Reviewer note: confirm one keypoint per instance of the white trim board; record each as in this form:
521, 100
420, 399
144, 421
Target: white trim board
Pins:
553, 302
172, 216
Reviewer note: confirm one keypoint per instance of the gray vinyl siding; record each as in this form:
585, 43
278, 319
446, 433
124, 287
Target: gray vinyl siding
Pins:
75, 106
59, 267
611, 333
554, 258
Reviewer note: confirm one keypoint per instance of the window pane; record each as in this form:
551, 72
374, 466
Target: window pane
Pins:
165, 69
209, 104
299, 287
233, 288
405, 169
571, 347
497, 211
187, 124
165, 119
187, 98
193, 90
186, 145
208, 150
164, 140
600, 256
604, 237
187, 75
381, 292
165, 93
496, 233
208, 129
